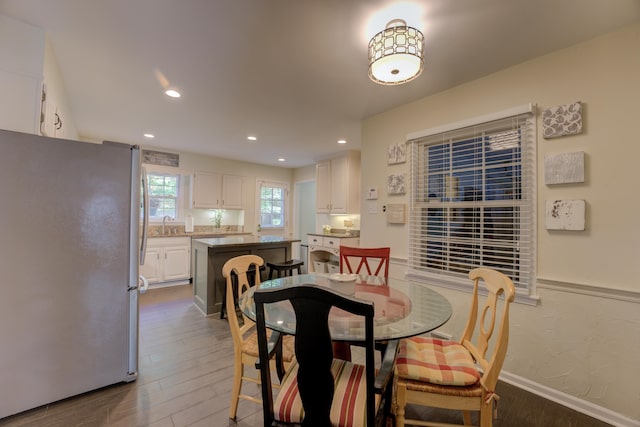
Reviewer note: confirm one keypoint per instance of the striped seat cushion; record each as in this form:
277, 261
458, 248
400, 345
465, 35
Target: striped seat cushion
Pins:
436, 361
349, 400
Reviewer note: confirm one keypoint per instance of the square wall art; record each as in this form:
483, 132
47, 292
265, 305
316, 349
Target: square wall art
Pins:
395, 184
564, 168
565, 215
396, 153
562, 120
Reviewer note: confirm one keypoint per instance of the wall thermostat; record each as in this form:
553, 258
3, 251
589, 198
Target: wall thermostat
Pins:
372, 193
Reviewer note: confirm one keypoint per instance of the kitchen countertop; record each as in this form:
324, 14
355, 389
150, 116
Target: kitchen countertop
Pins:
200, 235
244, 240
337, 235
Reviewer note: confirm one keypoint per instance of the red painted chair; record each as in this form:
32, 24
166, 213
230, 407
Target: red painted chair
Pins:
370, 261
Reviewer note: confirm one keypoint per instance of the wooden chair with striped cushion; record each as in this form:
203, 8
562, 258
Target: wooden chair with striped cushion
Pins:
319, 390
444, 374
245, 340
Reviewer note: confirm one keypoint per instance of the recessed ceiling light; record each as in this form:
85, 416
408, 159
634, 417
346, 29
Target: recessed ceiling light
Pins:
252, 138
149, 135
342, 141
281, 159
172, 93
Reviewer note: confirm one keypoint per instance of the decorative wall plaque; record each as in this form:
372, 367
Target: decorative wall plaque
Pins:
395, 184
396, 213
564, 168
396, 153
160, 158
562, 120
565, 215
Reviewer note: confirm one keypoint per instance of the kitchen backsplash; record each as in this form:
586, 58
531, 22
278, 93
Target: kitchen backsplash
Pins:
178, 229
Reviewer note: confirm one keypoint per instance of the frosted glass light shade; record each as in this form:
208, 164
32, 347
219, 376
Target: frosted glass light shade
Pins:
396, 54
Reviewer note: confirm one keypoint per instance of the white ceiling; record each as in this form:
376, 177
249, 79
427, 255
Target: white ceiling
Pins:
291, 72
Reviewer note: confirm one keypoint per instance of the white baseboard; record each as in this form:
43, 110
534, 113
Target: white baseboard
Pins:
168, 284
572, 402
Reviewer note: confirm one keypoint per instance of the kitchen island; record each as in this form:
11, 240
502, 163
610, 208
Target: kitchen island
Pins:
209, 255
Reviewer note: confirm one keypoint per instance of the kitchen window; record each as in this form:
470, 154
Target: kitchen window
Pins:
473, 201
164, 195
273, 202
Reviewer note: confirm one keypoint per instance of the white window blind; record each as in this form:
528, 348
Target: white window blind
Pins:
473, 201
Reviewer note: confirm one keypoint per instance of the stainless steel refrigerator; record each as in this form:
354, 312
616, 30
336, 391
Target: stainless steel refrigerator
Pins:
69, 255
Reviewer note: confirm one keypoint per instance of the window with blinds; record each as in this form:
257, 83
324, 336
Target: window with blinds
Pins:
473, 201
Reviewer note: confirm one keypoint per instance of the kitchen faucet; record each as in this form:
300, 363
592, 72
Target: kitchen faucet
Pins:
165, 218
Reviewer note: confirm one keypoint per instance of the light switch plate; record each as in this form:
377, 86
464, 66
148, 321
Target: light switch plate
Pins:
372, 208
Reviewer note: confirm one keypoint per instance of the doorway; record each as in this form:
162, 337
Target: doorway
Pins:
305, 217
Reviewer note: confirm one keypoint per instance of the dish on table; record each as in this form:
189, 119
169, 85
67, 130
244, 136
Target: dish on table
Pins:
343, 277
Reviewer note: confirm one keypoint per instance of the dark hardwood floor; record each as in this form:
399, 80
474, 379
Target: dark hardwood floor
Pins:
185, 377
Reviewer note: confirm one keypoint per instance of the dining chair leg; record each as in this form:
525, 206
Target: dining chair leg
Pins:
400, 403
235, 390
486, 415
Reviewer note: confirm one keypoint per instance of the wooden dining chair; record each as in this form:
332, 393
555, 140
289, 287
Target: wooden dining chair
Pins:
245, 341
370, 261
444, 374
317, 389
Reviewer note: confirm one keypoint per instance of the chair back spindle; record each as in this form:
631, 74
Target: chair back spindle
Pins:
372, 261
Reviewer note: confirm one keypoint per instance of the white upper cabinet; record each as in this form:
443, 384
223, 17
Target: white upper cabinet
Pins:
323, 186
231, 192
338, 184
216, 191
206, 190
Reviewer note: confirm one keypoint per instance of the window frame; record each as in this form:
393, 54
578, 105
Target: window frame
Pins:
180, 196
285, 206
419, 201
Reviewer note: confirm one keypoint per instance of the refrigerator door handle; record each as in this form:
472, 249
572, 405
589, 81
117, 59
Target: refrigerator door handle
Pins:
144, 284
145, 217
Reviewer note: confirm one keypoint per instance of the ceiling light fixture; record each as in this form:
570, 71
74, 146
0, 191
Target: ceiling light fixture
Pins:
172, 93
281, 159
396, 54
252, 138
342, 141
149, 135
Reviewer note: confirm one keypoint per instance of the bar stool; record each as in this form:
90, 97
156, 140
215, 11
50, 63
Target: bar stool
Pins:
285, 267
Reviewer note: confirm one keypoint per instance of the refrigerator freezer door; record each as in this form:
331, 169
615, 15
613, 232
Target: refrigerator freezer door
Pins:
65, 258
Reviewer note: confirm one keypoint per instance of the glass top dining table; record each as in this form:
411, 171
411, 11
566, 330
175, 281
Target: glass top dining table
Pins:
402, 309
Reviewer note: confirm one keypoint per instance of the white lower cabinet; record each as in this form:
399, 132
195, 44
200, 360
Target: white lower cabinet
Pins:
168, 259
324, 252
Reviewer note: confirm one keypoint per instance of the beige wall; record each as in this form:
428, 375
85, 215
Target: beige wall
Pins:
583, 339
56, 92
306, 173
